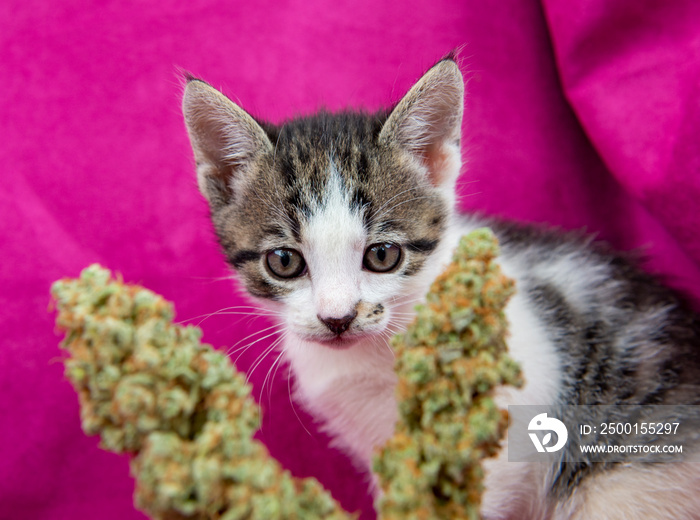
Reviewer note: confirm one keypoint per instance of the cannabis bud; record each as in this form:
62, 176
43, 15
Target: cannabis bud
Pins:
150, 388
448, 363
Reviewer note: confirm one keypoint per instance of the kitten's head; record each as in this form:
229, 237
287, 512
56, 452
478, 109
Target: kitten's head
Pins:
335, 218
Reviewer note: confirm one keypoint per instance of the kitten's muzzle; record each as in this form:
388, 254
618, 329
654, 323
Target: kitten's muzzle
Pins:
338, 325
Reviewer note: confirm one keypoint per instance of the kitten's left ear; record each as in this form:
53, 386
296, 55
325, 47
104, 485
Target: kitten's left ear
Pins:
427, 122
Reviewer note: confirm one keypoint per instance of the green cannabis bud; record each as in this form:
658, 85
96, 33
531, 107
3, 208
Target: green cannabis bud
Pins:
448, 363
150, 388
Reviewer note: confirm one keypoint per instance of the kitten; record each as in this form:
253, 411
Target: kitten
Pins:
341, 221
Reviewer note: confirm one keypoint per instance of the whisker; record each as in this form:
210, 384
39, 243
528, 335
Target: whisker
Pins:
383, 343
214, 279
232, 350
269, 371
260, 359
246, 347
276, 343
400, 204
291, 401
389, 201
244, 310
275, 366
406, 300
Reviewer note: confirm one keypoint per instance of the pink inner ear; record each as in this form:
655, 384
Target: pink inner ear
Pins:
438, 158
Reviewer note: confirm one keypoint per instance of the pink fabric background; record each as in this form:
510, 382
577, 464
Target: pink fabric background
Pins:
580, 114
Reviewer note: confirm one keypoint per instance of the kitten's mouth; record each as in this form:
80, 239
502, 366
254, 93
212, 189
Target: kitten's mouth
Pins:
340, 342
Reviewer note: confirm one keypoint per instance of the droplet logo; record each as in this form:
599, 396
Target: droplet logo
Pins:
549, 424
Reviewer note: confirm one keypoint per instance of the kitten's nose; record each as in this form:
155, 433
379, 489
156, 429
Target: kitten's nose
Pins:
338, 325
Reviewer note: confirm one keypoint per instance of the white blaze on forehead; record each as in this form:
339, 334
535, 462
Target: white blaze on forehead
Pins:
333, 246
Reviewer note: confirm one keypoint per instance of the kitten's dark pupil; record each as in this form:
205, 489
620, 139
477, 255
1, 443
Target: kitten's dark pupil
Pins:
285, 258
381, 254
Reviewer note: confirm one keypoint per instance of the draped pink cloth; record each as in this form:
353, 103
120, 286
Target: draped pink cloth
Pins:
579, 114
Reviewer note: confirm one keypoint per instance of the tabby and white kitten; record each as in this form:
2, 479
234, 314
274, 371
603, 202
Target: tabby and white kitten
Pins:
339, 222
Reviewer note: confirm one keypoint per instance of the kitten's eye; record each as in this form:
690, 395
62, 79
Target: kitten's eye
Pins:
285, 263
382, 258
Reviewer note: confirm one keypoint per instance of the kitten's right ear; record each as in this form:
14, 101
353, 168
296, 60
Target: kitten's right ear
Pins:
225, 139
